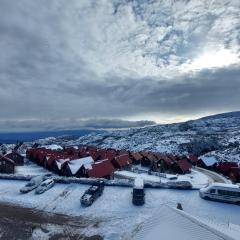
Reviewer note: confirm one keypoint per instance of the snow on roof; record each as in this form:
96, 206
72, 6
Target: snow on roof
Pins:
60, 162
173, 224
76, 164
209, 161
138, 183
53, 147
226, 185
101, 169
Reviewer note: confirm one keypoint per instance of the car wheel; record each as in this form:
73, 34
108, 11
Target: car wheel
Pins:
206, 198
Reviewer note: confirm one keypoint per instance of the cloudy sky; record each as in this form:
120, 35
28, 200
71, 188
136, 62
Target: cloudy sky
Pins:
64, 62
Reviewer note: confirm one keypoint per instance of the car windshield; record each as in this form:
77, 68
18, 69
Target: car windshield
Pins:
137, 191
92, 189
45, 183
30, 184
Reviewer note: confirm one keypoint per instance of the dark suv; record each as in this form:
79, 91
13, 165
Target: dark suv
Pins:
92, 194
138, 195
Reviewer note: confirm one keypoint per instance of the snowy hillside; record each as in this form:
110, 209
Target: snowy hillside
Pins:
217, 135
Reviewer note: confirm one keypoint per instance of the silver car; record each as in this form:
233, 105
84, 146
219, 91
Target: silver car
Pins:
32, 184
44, 186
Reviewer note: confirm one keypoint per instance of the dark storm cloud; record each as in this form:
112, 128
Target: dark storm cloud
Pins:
63, 62
66, 124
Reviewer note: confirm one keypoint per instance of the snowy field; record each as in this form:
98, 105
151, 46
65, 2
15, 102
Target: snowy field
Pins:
118, 218
196, 178
31, 168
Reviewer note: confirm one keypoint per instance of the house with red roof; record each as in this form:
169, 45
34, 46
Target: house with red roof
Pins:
57, 165
163, 163
225, 167
193, 159
6, 165
122, 161
78, 167
101, 169
182, 166
93, 153
16, 157
136, 157
148, 159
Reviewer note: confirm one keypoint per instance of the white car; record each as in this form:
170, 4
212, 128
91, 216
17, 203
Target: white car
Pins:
223, 192
32, 184
44, 186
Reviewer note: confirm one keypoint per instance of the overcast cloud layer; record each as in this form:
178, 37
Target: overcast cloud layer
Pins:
117, 59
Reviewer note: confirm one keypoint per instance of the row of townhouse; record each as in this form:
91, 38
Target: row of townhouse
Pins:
81, 162
89, 161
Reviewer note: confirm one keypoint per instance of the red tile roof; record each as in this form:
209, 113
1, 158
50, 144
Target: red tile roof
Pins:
150, 156
193, 158
226, 166
123, 160
101, 169
167, 160
137, 156
184, 165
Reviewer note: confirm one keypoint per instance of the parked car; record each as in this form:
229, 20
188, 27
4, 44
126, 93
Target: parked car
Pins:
229, 193
32, 184
92, 194
179, 185
138, 195
44, 186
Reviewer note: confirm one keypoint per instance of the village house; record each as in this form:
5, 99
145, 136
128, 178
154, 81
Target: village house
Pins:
6, 165
102, 153
93, 153
136, 158
208, 162
57, 165
16, 157
147, 159
122, 161
101, 169
225, 167
162, 164
71, 151
50, 159
193, 159
181, 166
77, 167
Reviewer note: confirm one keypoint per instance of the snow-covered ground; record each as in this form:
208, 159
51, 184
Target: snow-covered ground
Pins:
118, 217
30, 168
196, 178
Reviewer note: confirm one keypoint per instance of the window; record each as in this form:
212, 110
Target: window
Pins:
212, 191
229, 193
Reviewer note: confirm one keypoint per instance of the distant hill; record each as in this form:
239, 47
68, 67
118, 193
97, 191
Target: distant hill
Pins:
32, 136
217, 135
223, 115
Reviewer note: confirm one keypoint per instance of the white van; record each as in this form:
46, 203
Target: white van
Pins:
223, 192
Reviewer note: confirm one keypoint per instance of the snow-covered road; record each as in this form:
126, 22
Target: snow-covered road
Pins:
118, 217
